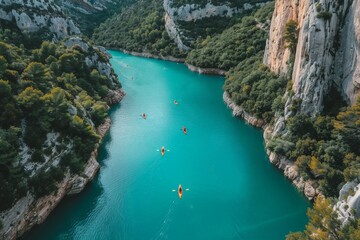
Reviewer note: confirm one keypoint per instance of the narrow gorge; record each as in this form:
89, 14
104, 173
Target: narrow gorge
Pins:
291, 68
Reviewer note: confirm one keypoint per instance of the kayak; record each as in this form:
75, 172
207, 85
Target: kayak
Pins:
184, 130
180, 191
163, 151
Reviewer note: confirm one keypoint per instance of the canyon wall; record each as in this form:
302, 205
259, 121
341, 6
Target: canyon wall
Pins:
327, 53
36, 15
326, 60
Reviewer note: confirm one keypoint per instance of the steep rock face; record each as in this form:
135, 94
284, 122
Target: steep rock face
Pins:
276, 55
89, 14
348, 205
327, 53
347, 59
32, 16
193, 12
327, 57
87, 7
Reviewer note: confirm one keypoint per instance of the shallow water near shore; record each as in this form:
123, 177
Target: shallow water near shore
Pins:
233, 190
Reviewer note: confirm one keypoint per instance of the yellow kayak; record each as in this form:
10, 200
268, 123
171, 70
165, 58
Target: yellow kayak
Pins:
163, 151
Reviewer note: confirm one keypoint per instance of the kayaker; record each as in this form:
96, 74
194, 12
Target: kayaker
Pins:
175, 102
180, 191
144, 116
184, 130
162, 150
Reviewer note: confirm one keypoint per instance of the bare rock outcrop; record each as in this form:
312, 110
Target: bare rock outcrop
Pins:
327, 53
33, 16
210, 71
348, 206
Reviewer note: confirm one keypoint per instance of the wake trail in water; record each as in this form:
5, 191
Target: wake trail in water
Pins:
241, 229
160, 234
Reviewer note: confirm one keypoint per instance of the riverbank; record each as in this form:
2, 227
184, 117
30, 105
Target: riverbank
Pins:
208, 71
309, 188
150, 55
29, 212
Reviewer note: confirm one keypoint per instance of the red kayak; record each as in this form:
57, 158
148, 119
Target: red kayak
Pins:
180, 191
184, 130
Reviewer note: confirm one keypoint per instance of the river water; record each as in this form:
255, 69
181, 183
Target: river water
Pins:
231, 191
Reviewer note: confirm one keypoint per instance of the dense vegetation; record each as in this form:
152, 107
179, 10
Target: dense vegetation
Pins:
325, 148
235, 44
202, 3
240, 48
324, 224
139, 28
49, 89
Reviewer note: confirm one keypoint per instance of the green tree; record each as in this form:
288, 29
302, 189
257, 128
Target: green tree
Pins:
30, 98
39, 74
347, 127
291, 35
3, 65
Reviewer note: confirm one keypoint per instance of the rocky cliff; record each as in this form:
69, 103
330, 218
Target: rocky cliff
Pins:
327, 53
326, 60
89, 14
36, 15
349, 200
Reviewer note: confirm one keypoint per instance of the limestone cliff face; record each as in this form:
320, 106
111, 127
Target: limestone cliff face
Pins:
327, 57
193, 12
87, 7
32, 16
327, 53
349, 200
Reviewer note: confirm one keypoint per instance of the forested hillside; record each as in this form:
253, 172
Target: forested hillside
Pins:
52, 99
139, 28
245, 39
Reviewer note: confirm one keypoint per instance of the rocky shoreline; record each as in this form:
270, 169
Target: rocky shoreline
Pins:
308, 187
240, 112
209, 71
150, 55
29, 212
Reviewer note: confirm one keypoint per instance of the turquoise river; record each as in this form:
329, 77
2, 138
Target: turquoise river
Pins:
233, 190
